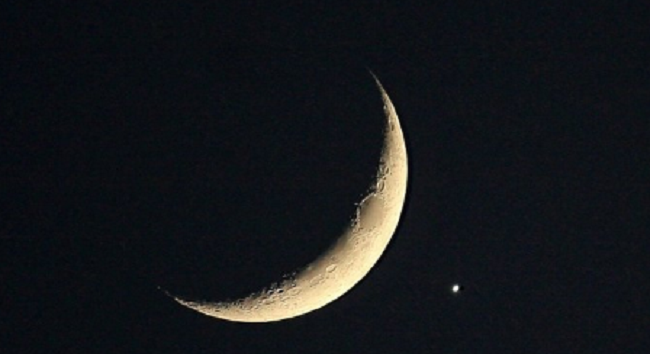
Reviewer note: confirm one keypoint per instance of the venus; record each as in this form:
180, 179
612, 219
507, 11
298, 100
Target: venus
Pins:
348, 260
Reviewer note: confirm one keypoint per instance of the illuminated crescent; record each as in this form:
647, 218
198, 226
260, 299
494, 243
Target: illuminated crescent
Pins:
348, 260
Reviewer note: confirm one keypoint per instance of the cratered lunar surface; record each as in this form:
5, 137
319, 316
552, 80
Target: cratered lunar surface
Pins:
348, 260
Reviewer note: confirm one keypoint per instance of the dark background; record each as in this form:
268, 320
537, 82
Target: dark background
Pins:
209, 149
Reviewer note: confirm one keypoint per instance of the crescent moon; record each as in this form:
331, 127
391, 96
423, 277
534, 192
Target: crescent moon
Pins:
351, 257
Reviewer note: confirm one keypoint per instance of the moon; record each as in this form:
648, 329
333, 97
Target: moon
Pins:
348, 260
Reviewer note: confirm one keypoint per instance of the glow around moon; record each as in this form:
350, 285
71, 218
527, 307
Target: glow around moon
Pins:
346, 262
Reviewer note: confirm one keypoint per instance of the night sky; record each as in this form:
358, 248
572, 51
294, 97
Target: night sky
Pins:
208, 150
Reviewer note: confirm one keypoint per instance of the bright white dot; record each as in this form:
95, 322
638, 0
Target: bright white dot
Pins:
455, 288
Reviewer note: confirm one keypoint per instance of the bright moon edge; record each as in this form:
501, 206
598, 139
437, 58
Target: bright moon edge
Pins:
346, 262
